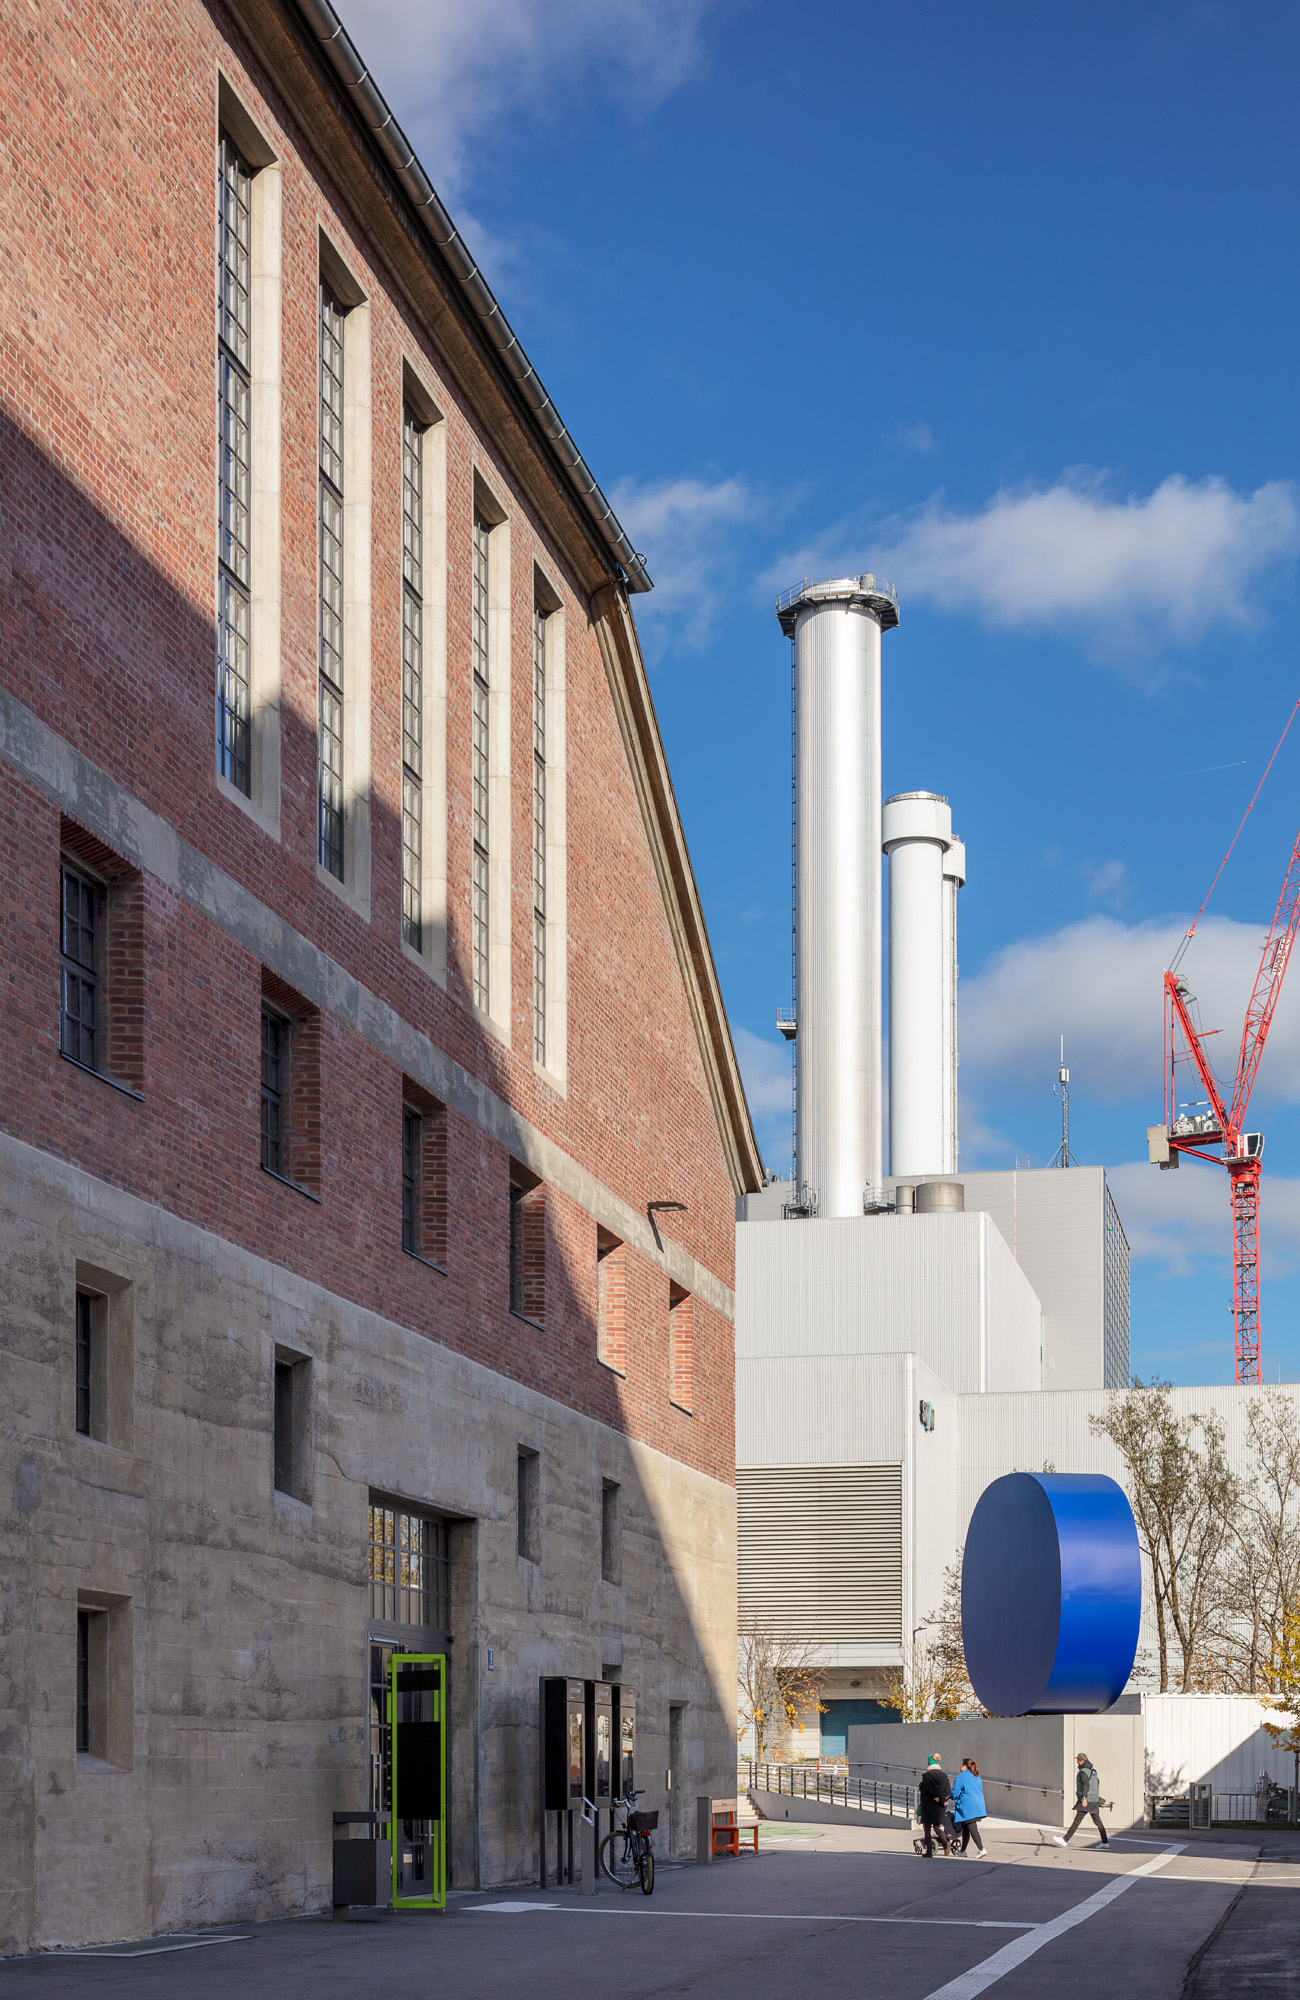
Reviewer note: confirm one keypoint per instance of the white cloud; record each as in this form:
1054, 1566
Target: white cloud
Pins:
1072, 555
1173, 1219
765, 1067
911, 437
1098, 982
452, 71
1107, 882
685, 528
1070, 552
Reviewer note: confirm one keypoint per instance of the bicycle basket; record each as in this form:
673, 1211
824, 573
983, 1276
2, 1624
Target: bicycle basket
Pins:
642, 1822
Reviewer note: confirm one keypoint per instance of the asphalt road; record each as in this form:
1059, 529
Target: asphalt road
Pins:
829, 1912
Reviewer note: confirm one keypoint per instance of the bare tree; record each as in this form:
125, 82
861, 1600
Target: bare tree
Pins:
781, 1678
1184, 1499
1264, 1550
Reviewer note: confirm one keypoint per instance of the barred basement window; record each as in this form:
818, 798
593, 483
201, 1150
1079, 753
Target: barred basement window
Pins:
79, 968
479, 773
539, 835
412, 678
332, 316
275, 1091
410, 1569
234, 337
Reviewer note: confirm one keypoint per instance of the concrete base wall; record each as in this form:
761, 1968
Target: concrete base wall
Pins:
1026, 1763
780, 1806
236, 1693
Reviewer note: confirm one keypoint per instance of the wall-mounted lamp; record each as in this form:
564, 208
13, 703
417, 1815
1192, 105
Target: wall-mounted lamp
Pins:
652, 1208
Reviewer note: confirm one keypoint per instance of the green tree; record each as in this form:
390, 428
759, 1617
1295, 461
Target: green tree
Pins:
1284, 1672
781, 1678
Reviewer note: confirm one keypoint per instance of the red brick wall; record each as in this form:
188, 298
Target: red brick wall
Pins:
106, 605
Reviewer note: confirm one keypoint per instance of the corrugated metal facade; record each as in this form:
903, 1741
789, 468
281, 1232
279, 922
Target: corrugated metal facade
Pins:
889, 1284
821, 1549
1117, 1298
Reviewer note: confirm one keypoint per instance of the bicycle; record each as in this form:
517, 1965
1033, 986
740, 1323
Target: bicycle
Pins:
626, 1855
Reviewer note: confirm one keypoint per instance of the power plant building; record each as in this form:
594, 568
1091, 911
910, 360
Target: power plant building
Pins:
882, 1317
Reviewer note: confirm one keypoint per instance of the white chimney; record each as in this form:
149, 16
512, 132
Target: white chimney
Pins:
954, 875
917, 832
836, 628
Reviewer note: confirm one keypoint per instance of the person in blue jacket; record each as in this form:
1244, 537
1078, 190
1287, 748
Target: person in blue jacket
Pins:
968, 1807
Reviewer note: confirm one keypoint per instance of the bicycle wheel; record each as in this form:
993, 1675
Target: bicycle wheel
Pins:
618, 1859
647, 1871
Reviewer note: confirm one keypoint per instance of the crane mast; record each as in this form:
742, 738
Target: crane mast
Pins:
1221, 1126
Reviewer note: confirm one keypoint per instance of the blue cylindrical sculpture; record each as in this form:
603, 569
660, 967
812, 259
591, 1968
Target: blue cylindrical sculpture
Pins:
1051, 1594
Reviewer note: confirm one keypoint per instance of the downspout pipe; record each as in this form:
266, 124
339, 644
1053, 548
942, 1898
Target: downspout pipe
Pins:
388, 135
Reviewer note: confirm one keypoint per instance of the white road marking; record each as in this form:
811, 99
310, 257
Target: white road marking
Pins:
968, 1984
144, 1950
751, 1916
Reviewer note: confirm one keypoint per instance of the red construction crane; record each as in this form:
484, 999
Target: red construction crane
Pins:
1209, 1122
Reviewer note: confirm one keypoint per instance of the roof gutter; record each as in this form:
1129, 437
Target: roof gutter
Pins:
396, 148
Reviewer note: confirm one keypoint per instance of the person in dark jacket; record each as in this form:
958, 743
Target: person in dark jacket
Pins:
935, 1792
968, 1807
1087, 1800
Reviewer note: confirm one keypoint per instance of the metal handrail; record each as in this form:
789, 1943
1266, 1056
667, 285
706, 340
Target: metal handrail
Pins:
831, 1788
867, 582
1008, 1784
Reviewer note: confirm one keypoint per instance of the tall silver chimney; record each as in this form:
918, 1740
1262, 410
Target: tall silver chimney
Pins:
836, 629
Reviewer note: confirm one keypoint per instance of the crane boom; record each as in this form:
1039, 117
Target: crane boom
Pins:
1268, 987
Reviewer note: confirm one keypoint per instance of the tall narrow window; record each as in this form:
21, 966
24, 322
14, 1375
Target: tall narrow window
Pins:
528, 1488
539, 834
79, 942
611, 1301
412, 678
83, 1680
234, 332
527, 1245
85, 1357
480, 766
412, 1149
291, 1425
331, 581
275, 1036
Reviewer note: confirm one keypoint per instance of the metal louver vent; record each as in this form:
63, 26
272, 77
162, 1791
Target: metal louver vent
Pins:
821, 1549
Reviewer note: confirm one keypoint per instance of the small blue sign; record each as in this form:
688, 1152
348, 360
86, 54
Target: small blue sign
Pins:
1051, 1594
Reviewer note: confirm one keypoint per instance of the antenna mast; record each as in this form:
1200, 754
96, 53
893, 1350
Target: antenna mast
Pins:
1061, 1089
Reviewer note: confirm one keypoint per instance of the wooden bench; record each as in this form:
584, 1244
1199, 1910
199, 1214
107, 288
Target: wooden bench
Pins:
728, 1825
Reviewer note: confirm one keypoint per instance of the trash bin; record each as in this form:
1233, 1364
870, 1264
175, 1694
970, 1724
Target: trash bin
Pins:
363, 1864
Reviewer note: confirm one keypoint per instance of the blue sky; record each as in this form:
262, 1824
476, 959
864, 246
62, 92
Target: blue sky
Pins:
1001, 301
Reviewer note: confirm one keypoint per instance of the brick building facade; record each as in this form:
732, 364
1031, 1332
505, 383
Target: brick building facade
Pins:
359, 1012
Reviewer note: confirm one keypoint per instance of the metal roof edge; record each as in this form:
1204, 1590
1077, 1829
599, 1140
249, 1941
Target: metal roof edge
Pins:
374, 112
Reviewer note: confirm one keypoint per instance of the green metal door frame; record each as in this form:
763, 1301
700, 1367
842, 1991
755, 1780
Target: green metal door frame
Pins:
399, 1661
